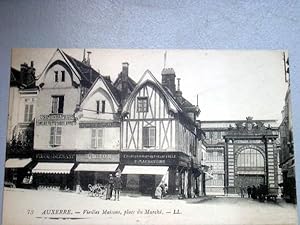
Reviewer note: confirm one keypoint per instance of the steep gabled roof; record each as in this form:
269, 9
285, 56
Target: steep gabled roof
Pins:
87, 73
148, 77
113, 91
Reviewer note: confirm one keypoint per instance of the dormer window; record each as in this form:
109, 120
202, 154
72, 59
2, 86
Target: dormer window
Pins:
142, 104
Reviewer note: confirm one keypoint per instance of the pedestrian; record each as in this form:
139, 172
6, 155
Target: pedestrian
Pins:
254, 192
249, 191
242, 191
117, 186
109, 188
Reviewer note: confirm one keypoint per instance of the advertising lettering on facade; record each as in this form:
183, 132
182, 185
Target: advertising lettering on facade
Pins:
153, 158
99, 125
53, 156
98, 157
56, 119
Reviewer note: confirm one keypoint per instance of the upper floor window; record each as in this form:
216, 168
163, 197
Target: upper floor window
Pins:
97, 138
142, 104
56, 76
149, 136
97, 107
55, 136
57, 104
102, 107
28, 113
63, 76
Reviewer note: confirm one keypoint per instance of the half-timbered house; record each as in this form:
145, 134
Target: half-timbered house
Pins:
159, 138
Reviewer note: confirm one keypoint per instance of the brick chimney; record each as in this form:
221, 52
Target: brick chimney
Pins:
178, 93
124, 81
168, 79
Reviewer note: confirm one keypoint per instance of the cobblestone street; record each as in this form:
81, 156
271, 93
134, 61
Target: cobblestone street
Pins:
46, 207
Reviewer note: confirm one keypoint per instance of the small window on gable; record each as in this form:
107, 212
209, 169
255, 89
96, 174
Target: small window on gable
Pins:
97, 107
56, 76
142, 104
63, 76
103, 107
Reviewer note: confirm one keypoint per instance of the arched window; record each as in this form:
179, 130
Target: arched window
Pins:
250, 158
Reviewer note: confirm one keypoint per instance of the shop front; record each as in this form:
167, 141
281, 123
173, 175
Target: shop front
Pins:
54, 170
16, 169
94, 168
144, 171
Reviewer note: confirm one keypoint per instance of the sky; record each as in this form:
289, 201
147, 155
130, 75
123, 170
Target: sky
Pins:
230, 85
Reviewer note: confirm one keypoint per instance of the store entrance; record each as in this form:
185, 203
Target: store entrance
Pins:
147, 184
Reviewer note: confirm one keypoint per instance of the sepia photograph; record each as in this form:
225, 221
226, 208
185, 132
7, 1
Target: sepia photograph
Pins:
149, 136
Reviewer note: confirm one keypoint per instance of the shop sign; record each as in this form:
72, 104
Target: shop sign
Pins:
99, 125
154, 158
98, 157
55, 119
55, 156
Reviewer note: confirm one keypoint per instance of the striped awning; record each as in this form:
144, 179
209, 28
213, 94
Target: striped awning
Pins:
109, 167
59, 168
147, 170
17, 163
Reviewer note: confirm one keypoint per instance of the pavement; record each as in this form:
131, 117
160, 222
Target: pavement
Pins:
26, 207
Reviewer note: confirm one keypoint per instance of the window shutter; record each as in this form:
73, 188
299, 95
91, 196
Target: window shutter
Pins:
93, 143
146, 136
26, 113
100, 138
30, 113
151, 136
52, 132
54, 104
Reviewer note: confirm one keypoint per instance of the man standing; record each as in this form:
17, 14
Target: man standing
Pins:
109, 189
117, 186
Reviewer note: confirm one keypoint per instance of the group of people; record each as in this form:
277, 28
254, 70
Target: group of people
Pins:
254, 192
114, 186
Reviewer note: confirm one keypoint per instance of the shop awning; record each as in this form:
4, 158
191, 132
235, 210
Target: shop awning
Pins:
147, 170
45, 167
17, 163
110, 167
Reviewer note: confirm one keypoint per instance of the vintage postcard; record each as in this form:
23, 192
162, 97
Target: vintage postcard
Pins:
123, 136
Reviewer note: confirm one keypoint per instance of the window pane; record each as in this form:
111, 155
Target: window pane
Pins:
58, 140
61, 104
58, 130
